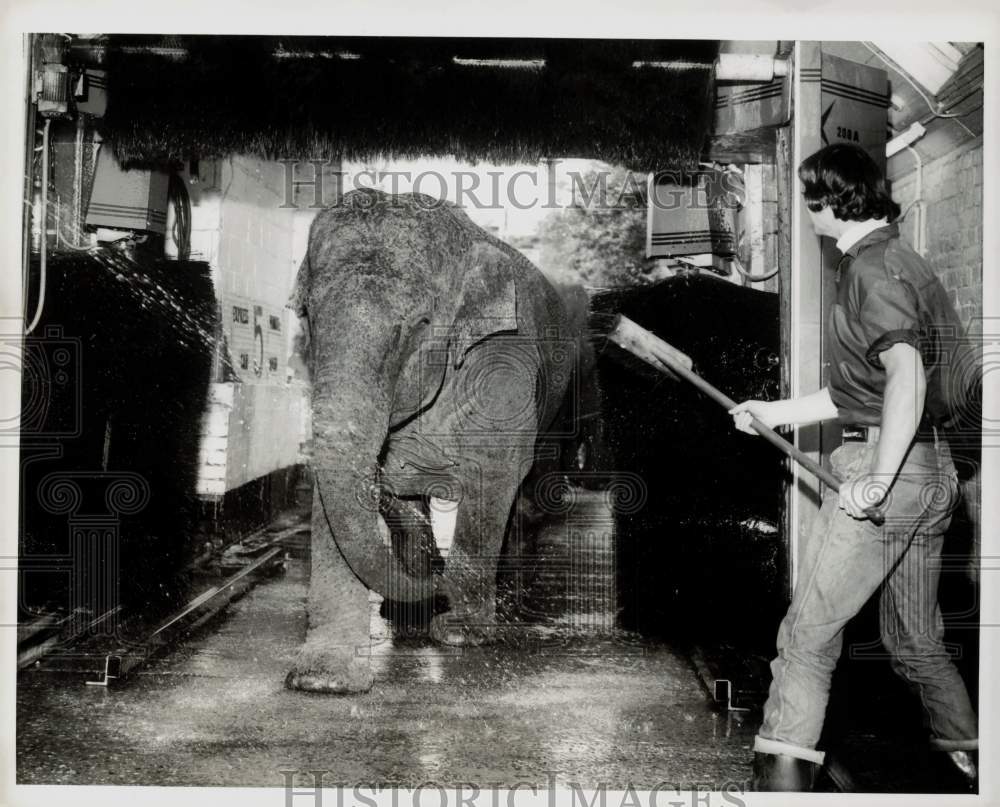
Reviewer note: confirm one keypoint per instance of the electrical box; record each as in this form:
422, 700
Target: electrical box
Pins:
94, 97
854, 104
691, 215
127, 200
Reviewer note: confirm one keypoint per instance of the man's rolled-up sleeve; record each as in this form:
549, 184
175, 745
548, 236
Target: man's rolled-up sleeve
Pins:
890, 315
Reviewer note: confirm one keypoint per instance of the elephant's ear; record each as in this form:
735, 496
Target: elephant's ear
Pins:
300, 291
300, 359
487, 301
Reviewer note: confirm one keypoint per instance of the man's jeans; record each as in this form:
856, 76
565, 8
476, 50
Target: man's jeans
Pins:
842, 564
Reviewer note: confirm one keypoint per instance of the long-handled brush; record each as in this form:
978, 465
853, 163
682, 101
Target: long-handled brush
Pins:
650, 348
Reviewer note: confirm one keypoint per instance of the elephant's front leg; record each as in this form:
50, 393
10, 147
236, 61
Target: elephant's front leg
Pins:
335, 656
412, 539
471, 565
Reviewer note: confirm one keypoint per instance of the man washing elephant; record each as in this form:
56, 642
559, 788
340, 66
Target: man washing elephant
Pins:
892, 397
436, 354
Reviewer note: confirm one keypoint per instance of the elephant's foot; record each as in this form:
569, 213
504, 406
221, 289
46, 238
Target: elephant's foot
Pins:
412, 619
451, 629
408, 620
332, 672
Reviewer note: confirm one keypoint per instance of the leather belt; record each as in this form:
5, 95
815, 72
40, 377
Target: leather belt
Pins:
857, 433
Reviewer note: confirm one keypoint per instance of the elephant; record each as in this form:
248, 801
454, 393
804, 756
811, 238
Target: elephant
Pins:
437, 354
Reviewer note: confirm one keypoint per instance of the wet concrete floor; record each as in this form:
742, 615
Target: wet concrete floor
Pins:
550, 701
215, 712
563, 697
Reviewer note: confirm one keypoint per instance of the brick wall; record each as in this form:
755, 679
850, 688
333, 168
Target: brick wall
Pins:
953, 202
952, 190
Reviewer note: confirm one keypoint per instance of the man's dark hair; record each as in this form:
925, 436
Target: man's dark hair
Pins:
846, 179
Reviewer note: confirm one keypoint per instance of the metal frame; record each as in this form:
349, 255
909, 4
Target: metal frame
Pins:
118, 666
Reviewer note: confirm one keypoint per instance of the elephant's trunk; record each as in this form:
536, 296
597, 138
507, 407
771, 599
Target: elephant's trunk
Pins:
353, 384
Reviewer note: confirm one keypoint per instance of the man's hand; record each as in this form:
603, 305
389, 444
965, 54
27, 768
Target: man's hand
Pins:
811, 408
765, 411
862, 492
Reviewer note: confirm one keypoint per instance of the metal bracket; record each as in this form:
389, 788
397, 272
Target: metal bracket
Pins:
723, 695
112, 671
201, 608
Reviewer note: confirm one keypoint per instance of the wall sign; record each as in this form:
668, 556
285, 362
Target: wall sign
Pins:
255, 340
854, 99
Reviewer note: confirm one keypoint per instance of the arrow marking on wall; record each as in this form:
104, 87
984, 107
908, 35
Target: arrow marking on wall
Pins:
822, 123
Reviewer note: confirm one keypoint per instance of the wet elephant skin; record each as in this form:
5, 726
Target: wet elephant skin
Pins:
436, 354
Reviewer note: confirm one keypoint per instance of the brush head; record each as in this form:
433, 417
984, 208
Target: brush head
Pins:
600, 324
648, 346
617, 329
399, 99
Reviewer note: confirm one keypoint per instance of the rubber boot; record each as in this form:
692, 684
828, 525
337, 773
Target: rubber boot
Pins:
834, 777
964, 765
781, 773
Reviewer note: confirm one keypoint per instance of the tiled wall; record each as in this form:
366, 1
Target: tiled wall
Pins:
255, 268
242, 225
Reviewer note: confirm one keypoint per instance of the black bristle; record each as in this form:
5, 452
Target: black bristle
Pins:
407, 99
121, 360
688, 560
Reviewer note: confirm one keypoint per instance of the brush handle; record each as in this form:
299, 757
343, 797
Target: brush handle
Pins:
678, 363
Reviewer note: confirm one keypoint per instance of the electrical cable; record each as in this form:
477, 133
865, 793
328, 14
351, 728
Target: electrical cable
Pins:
181, 199
753, 278
967, 129
935, 111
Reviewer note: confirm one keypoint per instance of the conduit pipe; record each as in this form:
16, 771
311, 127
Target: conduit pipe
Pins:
920, 242
44, 227
904, 139
29, 163
749, 67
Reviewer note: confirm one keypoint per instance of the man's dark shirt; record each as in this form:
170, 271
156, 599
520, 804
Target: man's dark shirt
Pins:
886, 294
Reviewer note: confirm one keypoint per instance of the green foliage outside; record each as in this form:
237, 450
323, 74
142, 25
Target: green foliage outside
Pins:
600, 239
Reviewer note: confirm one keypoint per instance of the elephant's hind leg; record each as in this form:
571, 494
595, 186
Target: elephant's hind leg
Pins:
471, 567
489, 409
335, 656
